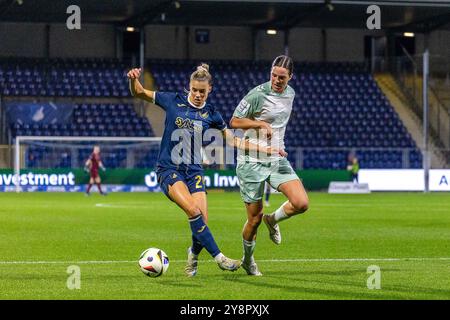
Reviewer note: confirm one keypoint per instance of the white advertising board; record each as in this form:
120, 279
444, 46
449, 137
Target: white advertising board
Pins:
404, 179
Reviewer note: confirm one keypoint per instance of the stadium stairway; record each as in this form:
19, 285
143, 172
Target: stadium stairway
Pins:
399, 101
439, 112
443, 90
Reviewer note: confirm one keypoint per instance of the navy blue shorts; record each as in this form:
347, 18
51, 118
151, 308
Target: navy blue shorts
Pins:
193, 179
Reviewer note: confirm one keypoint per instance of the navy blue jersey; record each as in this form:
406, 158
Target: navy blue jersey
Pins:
193, 122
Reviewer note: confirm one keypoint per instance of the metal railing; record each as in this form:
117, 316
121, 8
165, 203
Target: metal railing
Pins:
300, 157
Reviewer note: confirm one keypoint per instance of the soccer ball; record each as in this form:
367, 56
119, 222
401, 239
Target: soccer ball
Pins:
153, 262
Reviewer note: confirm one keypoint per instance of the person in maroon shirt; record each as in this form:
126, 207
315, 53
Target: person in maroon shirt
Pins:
92, 165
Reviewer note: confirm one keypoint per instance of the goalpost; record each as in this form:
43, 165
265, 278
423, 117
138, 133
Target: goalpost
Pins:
134, 151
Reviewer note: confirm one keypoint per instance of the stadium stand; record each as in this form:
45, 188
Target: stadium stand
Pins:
63, 77
338, 106
106, 120
26, 78
90, 120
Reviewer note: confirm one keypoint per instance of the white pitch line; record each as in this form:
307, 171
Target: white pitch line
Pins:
66, 262
260, 260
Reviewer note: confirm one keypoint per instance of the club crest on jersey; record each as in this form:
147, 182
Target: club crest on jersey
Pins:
203, 115
187, 124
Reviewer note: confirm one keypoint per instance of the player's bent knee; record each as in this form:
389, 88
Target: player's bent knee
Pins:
300, 205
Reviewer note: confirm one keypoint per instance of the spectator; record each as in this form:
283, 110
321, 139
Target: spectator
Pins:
353, 167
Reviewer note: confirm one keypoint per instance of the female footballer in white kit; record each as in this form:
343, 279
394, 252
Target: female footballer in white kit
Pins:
265, 110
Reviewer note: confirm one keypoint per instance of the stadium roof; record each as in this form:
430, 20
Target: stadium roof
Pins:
418, 16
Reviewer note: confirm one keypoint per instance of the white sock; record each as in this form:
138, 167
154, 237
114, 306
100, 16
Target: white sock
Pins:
195, 255
279, 214
249, 247
218, 258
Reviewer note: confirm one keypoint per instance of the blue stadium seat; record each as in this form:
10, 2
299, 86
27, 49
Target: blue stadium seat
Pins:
337, 104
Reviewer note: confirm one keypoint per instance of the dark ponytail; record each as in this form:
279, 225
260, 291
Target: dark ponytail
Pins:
284, 62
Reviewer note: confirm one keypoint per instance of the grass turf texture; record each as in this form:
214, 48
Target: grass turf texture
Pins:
42, 234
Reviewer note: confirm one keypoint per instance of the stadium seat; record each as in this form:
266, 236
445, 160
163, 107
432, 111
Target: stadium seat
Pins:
338, 105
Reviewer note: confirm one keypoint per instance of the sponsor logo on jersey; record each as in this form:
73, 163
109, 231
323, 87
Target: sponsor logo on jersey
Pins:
243, 106
188, 124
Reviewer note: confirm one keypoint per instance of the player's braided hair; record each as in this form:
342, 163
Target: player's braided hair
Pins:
284, 62
202, 73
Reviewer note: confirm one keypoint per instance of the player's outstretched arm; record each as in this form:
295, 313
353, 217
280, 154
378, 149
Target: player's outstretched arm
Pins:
246, 123
243, 144
136, 88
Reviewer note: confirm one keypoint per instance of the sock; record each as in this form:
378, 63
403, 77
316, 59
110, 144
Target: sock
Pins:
99, 187
89, 188
267, 196
196, 247
201, 232
249, 247
218, 258
279, 214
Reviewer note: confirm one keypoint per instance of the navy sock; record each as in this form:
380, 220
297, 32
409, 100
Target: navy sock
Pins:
267, 196
196, 247
201, 232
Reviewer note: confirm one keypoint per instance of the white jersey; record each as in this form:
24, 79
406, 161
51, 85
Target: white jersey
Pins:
263, 104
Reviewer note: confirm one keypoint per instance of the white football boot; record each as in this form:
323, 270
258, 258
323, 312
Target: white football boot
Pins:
252, 269
229, 264
274, 230
192, 264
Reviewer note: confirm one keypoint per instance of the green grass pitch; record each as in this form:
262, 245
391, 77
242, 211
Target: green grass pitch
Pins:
325, 253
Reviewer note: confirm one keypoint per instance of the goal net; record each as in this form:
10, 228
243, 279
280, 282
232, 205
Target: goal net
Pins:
57, 163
